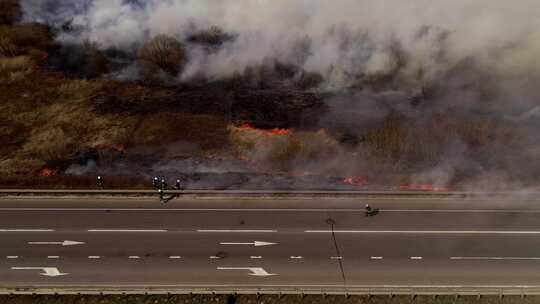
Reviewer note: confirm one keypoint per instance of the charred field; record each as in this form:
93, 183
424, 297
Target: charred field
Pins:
225, 104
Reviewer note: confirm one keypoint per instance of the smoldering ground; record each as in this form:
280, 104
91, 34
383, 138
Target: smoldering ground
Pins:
441, 92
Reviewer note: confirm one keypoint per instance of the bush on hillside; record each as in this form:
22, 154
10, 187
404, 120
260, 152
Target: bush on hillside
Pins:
10, 11
164, 52
28, 36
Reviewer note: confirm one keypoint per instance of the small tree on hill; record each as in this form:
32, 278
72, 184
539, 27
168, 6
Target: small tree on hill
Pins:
164, 52
10, 11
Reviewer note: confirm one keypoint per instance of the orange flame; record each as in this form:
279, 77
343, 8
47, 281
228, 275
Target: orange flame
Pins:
276, 131
357, 181
423, 187
116, 147
46, 172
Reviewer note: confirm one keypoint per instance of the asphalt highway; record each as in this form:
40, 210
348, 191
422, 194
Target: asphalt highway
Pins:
269, 244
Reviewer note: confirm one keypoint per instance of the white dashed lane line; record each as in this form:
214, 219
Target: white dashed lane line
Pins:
27, 230
134, 257
416, 258
175, 257
94, 257
336, 258
53, 257
255, 257
297, 257
127, 230
12, 257
376, 258
235, 231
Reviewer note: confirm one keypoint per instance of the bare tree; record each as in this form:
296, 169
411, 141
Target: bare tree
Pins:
164, 52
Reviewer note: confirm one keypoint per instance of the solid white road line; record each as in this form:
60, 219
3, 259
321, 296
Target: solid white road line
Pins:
376, 258
279, 210
94, 257
53, 257
416, 258
134, 257
514, 232
175, 257
235, 230
126, 230
27, 230
12, 257
494, 258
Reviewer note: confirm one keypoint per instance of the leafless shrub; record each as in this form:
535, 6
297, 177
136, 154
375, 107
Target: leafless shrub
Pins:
165, 53
214, 36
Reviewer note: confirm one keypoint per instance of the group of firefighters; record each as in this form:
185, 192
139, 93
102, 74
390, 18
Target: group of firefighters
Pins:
161, 186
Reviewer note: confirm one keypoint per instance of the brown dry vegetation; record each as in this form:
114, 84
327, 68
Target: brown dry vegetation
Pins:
10, 11
268, 299
409, 142
31, 39
282, 149
45, 116
163, 52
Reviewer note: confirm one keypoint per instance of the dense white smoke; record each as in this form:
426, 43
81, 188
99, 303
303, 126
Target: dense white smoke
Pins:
347, 37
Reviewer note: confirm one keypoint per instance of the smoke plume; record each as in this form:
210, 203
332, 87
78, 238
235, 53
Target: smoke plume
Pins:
414, 58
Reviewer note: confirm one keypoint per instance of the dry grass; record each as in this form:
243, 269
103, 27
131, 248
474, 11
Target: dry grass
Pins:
7, 48
268, 299
28, 38
424, 141
45, 116
280, 150
205, 131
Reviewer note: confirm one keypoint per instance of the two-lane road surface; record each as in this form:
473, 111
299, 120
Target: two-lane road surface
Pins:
316, 244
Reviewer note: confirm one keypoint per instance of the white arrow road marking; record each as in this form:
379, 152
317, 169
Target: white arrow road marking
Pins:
64, 243
255, 271
255, 243
47, 271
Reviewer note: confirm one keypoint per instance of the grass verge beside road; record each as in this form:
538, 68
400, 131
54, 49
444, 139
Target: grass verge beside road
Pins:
266, 299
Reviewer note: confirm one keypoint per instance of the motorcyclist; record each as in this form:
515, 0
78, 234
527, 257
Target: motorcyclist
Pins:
155, 182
